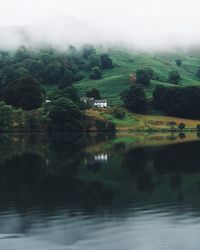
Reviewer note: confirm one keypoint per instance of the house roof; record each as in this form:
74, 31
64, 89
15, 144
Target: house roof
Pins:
100, 101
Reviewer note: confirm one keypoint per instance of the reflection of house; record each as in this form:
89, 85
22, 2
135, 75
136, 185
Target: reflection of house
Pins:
100, 103
92, 159
101, 157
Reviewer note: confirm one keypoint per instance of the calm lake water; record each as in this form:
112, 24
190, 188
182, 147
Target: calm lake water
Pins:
94, 192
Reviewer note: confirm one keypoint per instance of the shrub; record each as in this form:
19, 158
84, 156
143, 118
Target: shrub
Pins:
95, 93
171, 124
143, 77
96, 73
106, 61
102, 126
134, 98
174, 77
178, 62
119, 113
198, 127
181, 125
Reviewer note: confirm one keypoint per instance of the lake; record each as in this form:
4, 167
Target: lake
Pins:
92, 192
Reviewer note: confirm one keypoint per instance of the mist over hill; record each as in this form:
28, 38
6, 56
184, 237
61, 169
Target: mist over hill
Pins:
67, 30
58, 32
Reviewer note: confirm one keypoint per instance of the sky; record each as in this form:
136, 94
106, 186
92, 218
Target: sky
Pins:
141, 21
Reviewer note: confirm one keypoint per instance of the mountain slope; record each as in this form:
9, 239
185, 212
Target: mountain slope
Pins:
115, 80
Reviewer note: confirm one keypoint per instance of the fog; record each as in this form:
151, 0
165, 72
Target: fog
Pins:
145, 24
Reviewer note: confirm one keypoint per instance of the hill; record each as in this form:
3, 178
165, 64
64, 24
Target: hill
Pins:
126, 62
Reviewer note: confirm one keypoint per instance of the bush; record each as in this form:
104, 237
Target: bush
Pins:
119, 113
95, 93
198, 127
96, 73
134, 98
181, 125
172, 124
94, 61
143, 76
106, 62
178, 62
174, 77
103, 126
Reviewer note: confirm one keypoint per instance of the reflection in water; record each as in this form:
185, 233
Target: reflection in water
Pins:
55, 193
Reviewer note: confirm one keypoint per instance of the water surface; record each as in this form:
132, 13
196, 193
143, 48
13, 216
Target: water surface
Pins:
95, 192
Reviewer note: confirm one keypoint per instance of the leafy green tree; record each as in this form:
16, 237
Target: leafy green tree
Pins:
94, 61
181, 101
134, 98
87, 50
119, 113
106, 61
72, 94
65, 115
53, 73
96, 73
172, 124
181, 126
174, 77
95, 93
6, 113
143, 77
150, 72
67, 80
24, 93
178, 62
21, 54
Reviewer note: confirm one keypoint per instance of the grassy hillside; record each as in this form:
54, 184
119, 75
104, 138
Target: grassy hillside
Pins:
115, 80
138, 122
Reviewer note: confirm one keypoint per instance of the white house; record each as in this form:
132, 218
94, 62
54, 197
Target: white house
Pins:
100, 103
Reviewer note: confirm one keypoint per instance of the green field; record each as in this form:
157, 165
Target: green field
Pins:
115, 80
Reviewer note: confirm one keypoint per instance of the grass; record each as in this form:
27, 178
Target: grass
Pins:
115, 80
136, 122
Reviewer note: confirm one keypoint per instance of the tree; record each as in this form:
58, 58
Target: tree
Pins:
53, 73
6, 113
143, 77
174, 77
96, 73
181, 101
95, 93
94, 61
24, 93
87, 50
181, 126
21, 54
134, 98
119, 113
64, 115
178, 62
106, 61
67, 80
150, 72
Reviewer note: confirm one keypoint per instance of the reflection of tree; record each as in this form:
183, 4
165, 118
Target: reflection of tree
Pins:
182, 157
138, 162
46, 172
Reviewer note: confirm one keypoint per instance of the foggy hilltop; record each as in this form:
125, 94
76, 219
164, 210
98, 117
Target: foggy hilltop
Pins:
59, 32
67, 30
